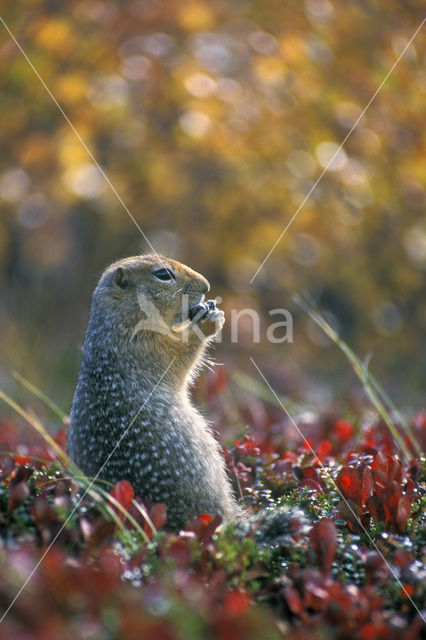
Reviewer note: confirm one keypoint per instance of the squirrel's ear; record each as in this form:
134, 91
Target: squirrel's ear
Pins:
122, 278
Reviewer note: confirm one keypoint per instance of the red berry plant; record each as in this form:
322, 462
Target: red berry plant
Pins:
83, 561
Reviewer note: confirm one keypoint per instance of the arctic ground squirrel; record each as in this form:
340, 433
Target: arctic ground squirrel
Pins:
132, 417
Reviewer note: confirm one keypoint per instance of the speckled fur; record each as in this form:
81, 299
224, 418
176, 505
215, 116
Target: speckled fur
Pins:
169, 453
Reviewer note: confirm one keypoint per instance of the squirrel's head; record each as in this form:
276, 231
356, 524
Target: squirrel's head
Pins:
152, 293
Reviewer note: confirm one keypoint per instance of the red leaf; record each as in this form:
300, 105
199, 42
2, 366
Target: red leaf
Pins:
380, 480
179, 550
348, 509
316, 596
324, 449
283, 467
366, 485
236, 603
349, 482
410, 487
380, 462
376, 509
42, 512
308, 477
309, 472
397, 506
17, 494
324, 539
344, 430
372, 631
205, 518
294, 600
407, 591
7, 463
403, 558
249, 447
402, 513
97, 532
158, 515
308, 444
204, 527
395, 469
23, 459
313, 484
376, 569
123, 493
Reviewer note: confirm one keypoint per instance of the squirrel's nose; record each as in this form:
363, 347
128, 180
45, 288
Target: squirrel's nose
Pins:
201, 285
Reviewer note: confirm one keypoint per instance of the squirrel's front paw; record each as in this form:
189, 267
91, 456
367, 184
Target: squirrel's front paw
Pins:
207, 317
212, 322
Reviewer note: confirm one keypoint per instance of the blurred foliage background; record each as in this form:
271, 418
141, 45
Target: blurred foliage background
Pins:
212, 120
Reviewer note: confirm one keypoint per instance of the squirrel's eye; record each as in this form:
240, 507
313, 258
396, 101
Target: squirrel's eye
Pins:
163, 274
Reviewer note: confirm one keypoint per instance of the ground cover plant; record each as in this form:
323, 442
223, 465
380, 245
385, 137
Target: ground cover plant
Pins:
103, 565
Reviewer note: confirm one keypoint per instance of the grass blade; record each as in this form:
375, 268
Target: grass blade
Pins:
372, 387
40, 395
63, 457
247, 383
